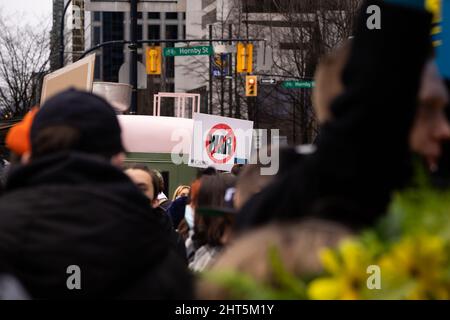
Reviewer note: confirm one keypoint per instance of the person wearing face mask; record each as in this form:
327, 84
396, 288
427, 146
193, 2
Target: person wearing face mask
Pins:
186, 225
181, 191
177, 207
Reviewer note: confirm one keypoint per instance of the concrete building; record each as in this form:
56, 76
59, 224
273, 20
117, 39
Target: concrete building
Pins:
74, 27
111, 21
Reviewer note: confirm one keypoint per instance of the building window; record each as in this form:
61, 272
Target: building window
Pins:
171, 15
139, 32
171, 32
112, 57
154, 32
139, 15
97, 35
97, 16
154, 15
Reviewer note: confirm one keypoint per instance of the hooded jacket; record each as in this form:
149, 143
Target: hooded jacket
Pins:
73, 209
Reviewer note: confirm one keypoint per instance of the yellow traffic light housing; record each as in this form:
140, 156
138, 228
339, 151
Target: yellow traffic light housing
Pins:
251, 86
244, 58
153, 60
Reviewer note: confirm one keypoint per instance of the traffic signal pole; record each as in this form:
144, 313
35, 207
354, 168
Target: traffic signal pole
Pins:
230, 72
158, 41
210, 73
133, 43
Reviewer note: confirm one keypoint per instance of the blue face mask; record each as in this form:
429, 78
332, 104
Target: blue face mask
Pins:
189, 216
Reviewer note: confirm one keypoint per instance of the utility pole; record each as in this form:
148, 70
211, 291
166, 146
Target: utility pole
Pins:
222, 85
133, 55
230, 72
210, 111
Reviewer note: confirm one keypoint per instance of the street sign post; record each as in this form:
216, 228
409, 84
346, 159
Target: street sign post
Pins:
298, 84
189, 51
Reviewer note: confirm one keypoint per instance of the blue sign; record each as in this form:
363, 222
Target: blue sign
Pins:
220, 64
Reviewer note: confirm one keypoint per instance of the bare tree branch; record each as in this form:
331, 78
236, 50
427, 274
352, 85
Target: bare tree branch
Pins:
24, 58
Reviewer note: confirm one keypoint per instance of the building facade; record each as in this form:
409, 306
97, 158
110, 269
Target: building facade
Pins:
156, 21
74, 28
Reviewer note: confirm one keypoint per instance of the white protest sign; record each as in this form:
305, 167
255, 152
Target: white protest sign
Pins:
220, 142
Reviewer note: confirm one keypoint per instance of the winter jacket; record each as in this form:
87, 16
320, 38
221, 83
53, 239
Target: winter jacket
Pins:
73, 210
176, 240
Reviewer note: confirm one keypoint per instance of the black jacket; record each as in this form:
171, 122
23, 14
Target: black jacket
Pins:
175, 239
363, 154
73, 209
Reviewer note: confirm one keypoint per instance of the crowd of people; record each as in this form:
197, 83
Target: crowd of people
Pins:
70, 198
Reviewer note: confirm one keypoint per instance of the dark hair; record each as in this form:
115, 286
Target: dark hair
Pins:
237, 168
55, 139
210, 171
210, 229
150, 172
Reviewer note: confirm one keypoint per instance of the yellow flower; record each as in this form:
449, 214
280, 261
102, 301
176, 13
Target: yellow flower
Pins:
347, 268
419, 264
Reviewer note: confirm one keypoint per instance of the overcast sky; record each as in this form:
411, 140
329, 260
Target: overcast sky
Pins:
32, 12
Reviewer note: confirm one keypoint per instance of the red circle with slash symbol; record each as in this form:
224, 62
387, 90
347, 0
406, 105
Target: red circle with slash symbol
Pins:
220, 143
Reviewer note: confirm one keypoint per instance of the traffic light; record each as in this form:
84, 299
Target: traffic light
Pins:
251, 86
153, 60
244, 58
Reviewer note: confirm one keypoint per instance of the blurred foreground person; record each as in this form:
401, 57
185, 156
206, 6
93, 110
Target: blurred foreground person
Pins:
72, 224
297, 244
430, 127
363, 152
364, 149
249, 182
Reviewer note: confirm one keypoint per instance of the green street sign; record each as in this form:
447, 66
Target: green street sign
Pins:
298, 84
189, 51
